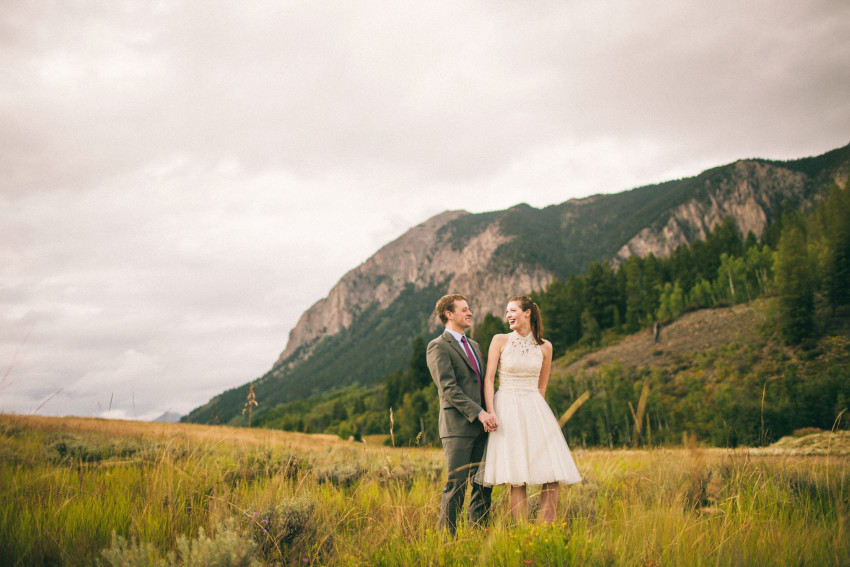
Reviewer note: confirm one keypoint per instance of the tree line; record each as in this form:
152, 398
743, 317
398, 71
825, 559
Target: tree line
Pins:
795, 377
797, 258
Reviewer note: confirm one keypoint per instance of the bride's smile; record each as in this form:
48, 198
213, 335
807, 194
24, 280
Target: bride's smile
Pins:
517, 318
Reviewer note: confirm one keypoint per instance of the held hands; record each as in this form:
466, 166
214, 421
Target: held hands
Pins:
490, 421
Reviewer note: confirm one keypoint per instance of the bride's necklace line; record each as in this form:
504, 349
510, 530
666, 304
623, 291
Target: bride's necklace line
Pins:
525, 336
524, 344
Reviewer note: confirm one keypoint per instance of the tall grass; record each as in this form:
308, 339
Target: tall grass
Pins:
67, 484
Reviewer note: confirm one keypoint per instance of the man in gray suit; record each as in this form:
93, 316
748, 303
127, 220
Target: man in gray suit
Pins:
456, 367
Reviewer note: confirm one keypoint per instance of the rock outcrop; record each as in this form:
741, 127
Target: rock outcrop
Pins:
751, 194
491, 256
421, 256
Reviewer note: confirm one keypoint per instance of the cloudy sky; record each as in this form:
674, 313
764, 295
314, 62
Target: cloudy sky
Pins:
179, 181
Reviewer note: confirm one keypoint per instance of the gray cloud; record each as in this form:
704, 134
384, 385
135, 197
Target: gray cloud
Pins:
182, 180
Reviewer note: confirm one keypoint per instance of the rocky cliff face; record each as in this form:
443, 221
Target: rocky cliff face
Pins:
365, 326
424, 255
751, 193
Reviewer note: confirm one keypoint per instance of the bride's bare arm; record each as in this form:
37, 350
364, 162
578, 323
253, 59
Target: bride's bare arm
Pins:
543, 380
496, 346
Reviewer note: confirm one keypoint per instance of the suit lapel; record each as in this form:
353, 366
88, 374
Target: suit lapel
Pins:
447, 336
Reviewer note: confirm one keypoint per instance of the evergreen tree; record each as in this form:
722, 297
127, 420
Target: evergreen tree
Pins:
554, 306
634, 293
835, 219
602, 293
794, 286
591, 332
772, 232
683, 268
574, 306
483, 333
561, 305
705, 254
339, 411
725, 238
419, 375
393, 388
651, 285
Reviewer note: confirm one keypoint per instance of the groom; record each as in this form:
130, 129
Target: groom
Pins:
456, 367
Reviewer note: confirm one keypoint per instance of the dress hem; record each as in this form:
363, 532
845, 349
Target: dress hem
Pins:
533, 483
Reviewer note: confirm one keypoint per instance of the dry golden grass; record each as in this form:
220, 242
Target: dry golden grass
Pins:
691, 333
347, 503
822, 443
167, 431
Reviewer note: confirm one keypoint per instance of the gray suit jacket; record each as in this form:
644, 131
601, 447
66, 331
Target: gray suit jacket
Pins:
460, 398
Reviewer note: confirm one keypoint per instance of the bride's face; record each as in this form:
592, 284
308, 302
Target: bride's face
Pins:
516, 317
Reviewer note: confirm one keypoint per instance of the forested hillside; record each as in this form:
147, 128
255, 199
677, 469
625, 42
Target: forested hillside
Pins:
598, 284
731, 346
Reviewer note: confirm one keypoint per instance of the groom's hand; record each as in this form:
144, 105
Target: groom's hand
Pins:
491, 423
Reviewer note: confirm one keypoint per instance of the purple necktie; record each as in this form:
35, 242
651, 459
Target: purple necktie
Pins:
472, 361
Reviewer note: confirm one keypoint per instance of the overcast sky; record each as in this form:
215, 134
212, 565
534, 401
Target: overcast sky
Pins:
180, 181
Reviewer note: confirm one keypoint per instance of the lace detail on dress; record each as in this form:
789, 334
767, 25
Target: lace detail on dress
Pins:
520, 363
525, 344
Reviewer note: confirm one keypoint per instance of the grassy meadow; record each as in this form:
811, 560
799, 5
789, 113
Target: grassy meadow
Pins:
79, 491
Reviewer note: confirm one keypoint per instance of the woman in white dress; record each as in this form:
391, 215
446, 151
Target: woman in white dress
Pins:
527, 447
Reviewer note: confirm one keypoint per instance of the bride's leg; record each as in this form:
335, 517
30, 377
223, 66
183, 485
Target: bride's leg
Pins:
549, 502
519, 503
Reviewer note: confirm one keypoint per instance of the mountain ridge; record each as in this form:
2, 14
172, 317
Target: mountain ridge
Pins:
490, 256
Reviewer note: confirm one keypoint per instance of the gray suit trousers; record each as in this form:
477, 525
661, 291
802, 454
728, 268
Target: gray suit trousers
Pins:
463, 455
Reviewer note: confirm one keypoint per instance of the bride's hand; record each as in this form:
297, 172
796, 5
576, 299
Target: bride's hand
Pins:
489, 421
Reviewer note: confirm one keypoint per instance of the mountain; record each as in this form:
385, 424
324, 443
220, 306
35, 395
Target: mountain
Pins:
364, 328
168, 417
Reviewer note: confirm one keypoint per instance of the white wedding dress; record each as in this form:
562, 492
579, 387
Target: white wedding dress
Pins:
528, 447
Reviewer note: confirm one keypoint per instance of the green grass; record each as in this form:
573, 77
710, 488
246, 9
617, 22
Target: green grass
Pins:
67, 484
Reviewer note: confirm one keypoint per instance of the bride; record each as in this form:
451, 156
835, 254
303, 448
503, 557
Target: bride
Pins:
527, 447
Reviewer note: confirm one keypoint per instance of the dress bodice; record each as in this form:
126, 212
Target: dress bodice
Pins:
520, 364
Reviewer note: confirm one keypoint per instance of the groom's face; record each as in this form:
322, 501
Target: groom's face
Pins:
461, 315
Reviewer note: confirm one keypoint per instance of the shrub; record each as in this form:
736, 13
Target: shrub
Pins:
285, 528
254, 465
340, 474
64, 447
226, 549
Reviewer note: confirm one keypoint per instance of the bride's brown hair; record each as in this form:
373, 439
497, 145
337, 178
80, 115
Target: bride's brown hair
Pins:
525, 303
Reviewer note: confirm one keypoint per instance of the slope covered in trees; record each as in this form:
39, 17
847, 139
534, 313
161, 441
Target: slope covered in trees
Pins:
751, 386
799, 257
589, 297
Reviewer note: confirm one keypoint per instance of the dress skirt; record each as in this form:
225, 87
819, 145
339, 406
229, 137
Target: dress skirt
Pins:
528, 447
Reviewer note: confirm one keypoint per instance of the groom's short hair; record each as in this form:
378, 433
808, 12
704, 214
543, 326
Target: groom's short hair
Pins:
447, 303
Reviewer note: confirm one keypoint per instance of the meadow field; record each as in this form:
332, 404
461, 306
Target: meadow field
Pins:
77, 491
